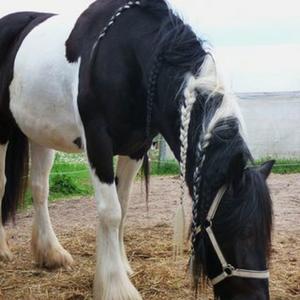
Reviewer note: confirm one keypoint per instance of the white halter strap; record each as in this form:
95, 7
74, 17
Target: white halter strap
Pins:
228, 270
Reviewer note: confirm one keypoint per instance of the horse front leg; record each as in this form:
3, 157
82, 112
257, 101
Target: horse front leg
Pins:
5, 254
111, 279
127, 170
46, 248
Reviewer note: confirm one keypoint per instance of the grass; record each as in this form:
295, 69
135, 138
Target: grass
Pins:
70, 176
170, 167
284, 166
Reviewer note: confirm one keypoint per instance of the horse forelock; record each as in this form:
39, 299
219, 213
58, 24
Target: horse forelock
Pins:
213, 110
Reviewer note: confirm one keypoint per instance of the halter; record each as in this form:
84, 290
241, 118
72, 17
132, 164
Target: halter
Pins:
228, 269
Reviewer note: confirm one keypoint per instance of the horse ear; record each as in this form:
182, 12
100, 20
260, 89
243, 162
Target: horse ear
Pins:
265, 168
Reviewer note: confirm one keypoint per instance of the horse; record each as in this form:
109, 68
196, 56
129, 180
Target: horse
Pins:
105, 83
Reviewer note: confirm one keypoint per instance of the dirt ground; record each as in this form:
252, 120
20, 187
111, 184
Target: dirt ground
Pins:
149, 247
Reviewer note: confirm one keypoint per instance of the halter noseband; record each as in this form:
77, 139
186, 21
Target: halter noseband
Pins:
228, 269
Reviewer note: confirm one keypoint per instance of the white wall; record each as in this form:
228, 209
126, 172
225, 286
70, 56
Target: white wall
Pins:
273, 124
263, 68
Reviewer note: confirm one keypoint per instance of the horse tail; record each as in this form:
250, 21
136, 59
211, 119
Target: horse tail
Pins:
13, 29
16, 170
11, 26
16, 160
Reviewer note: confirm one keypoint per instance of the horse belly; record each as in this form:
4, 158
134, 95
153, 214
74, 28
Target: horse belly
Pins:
43, 92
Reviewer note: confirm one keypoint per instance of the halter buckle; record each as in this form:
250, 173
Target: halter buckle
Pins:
229, 270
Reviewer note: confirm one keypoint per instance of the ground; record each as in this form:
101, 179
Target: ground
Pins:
149, 243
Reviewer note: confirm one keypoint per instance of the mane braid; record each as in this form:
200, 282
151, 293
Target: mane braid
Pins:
112, 20
219, 128
151, 92
177, 48
185, 110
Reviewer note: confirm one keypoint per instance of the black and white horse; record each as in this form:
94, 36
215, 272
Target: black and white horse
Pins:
106, 82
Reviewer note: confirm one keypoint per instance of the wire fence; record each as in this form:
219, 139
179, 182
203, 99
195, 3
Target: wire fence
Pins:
159, 164
173, 162
68, 172
160, 158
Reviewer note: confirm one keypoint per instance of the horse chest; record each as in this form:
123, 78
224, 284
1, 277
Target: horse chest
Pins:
43, 91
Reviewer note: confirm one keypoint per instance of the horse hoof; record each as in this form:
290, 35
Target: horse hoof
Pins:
53, 258
117, 289
5, 254
59, 258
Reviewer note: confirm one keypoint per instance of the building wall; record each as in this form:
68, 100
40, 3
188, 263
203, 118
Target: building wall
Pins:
273, 124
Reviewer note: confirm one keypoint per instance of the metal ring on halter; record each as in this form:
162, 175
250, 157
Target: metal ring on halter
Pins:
207, 224
229, 270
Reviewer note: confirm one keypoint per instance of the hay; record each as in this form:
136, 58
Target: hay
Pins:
157, 275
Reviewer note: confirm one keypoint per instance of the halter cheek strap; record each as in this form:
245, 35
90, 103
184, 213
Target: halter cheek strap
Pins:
228, 270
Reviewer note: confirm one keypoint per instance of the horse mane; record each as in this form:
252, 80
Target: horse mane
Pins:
216, 151
175, 41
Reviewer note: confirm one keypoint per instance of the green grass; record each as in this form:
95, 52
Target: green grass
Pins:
70, 176
164, 168
67, 180
284, 166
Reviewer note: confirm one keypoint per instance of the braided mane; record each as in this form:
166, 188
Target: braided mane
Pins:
215, 139
205, 107
211, 131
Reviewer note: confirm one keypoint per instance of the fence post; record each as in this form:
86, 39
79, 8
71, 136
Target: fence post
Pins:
162, 151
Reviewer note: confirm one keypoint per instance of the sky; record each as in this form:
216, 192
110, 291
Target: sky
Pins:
257, 42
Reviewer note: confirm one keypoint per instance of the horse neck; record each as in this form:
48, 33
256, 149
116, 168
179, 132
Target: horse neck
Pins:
165, 116
148, 47
168, 109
